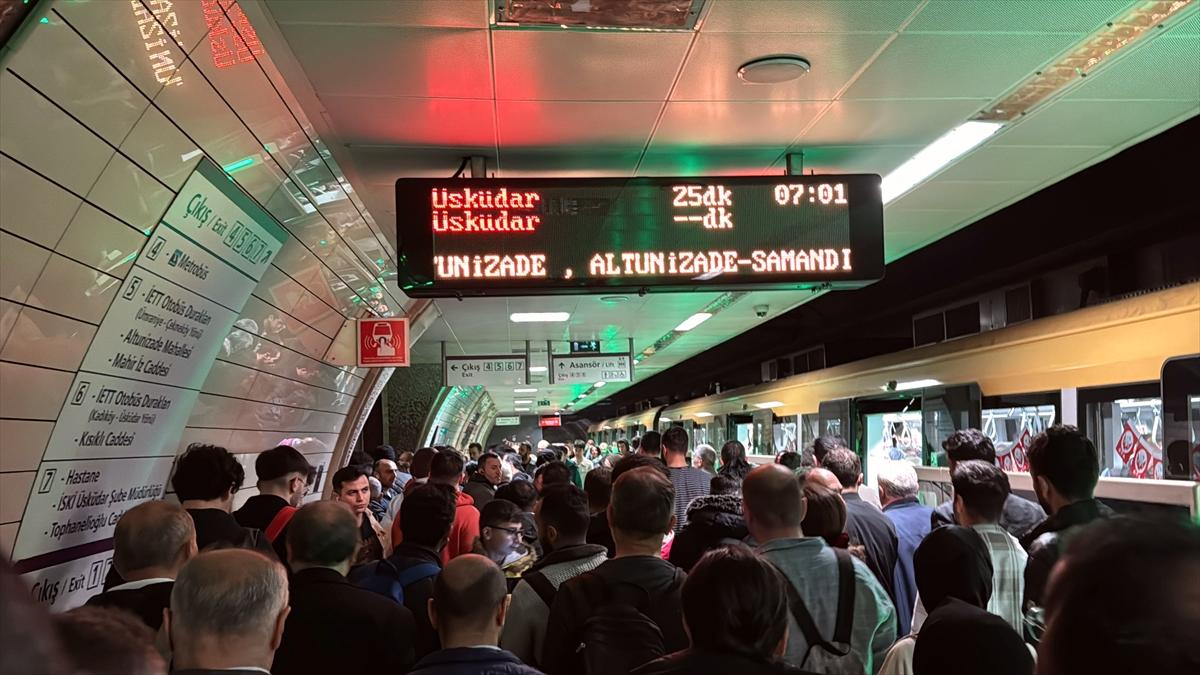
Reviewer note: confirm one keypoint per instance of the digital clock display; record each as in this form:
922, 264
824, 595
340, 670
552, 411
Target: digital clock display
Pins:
532, 236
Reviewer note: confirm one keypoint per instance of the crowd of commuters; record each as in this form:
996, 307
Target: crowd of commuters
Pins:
653, 558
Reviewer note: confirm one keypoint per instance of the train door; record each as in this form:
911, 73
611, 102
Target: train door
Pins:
1125, 423
786, 432
742, 428
834, 419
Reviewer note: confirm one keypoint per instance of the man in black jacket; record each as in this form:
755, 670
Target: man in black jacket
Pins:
151, 543
1062, 461
284, 476
641, 514
482, 484
1019, 516
425, 519
865, 524
331, 618
206, 477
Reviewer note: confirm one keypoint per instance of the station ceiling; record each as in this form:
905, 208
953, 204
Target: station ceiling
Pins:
409, 88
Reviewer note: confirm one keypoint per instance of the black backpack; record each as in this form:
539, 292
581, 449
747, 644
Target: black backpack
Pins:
620, 635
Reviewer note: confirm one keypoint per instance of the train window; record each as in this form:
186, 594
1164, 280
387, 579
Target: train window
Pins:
786, 434
1012, 422
1126, 425
888, 429
946, 410
810, 428
1181, 416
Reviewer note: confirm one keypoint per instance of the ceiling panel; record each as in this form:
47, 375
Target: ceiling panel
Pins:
580, 124
567, 162
453, 122
711, 70
1094, 122
708, 161
878, 159
932, 65
1030, 16
444, 14
813, 16
962, 195
691, 124
1153, 71
581, 66
899, 220
1019, 163
895, 122
385, 61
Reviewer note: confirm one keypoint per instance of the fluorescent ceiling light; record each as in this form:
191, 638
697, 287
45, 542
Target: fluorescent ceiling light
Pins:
915, 384
664, 419
599, 384
535, 317
524, 391
523, 402
954, 144
768, 405
520, 409
190, 155
693, 321
703, 414
537, 369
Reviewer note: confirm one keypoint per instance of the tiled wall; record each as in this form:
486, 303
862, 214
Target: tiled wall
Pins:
93, 147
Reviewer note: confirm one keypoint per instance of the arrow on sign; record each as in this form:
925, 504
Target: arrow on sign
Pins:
454, 367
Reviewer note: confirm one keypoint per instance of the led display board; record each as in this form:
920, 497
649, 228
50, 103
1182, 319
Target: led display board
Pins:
462, 237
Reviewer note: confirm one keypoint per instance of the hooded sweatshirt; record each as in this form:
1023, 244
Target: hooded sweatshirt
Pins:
463, 530
573, 605
712, 521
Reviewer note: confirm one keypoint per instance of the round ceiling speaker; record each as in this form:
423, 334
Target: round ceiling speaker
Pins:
773, 69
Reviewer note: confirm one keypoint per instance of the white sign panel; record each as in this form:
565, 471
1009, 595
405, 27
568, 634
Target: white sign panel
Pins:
588, 369
118, 431
468, 371
68, 585
513, 421
79, 501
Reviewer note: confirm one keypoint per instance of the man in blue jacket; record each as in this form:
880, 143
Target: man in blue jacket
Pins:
898, 494
470, 602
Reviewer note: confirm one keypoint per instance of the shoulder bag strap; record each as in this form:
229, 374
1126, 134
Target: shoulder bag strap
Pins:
542, 586
845, 611
280, 521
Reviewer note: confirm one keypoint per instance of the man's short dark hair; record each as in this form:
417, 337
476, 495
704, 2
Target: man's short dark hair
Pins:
735, 601
643, 502
383, 451
427, 513
107, 640
497, 512
983, 487
206, 472
483, 459
447, 466
637, 462
279, 461
822, 445
520, 492
1065, 457
553, 473
598, 486
843, 464
565, 507
651, 444
675, 440
475, 446
349, 474
1149, 624
362, 458
421, 461
790, 459
724, 485
323, 533
967, 444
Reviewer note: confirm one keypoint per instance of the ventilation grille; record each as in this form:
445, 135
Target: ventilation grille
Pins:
987, 312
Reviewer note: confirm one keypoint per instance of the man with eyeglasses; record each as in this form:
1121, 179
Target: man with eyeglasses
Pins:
500, 539
284, 478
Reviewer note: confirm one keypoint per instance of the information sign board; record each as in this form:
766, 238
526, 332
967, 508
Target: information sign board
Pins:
382, 343
509, 421
469, 371
589, 369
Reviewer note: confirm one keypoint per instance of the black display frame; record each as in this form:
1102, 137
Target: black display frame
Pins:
415, 274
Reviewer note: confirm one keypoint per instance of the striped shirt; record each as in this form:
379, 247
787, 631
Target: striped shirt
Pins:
689, 483
1008, 574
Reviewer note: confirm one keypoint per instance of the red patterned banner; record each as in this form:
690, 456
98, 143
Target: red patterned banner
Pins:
1015, 458
1138, 458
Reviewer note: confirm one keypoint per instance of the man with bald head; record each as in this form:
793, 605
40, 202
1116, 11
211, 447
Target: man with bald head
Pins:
228, 610
773, 504
152, 542
334, 625
468, 608
640, 514
824, 478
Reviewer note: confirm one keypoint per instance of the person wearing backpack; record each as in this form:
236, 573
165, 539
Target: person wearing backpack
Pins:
562, 525
333, 626
736, 610
627, 611
408, 574
284, 476
842, 619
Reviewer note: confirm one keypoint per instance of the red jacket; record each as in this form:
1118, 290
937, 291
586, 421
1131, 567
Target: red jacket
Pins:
463, 531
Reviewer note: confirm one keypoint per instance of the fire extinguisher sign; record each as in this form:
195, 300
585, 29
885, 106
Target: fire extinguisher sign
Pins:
382, 343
